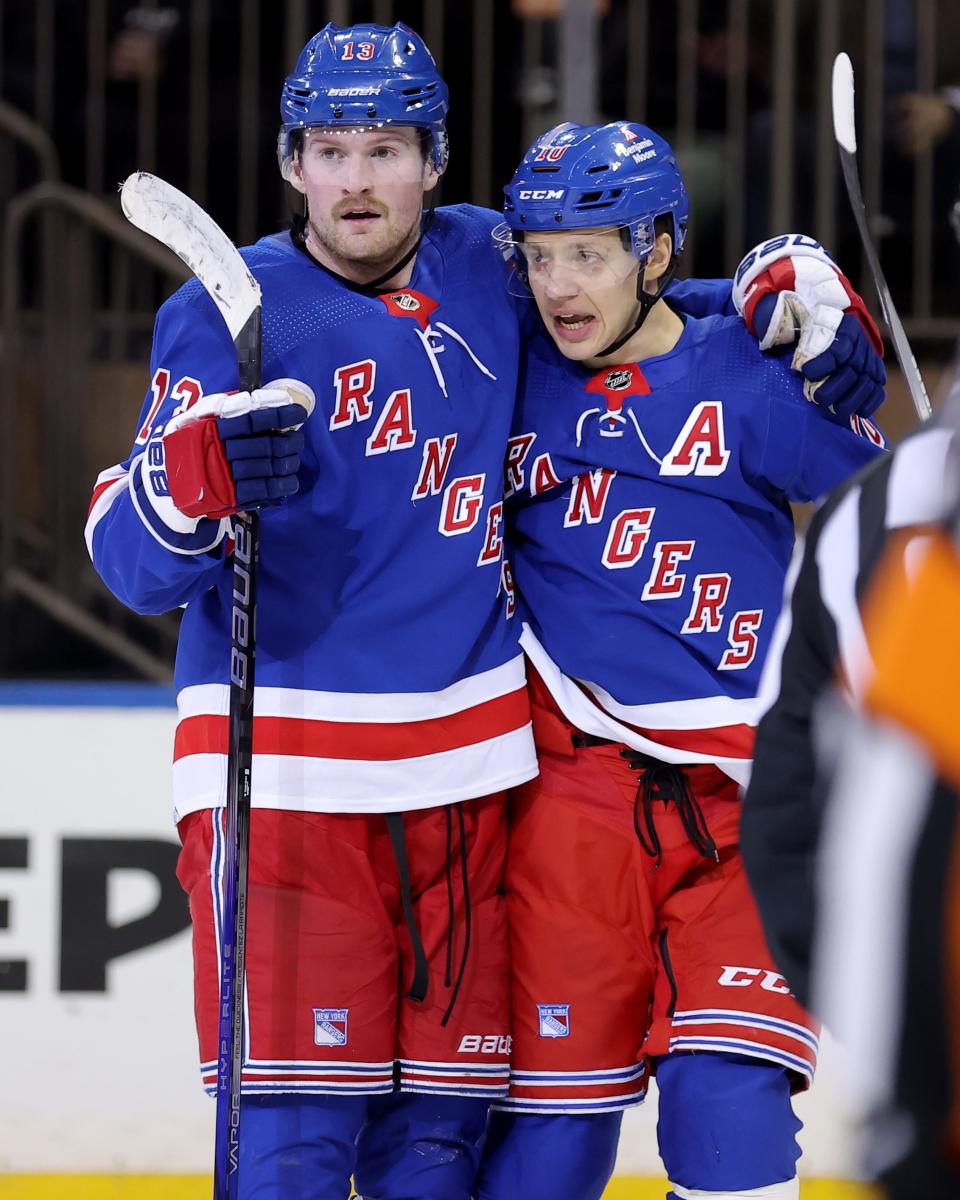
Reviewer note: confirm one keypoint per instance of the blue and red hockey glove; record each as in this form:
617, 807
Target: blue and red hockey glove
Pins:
236, 451
229, 451
791, 293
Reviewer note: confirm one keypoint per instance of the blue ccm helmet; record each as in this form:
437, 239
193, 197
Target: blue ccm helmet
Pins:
364, 75
596, 176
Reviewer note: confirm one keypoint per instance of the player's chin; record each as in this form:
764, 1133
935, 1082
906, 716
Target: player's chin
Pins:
368, 239
575, 351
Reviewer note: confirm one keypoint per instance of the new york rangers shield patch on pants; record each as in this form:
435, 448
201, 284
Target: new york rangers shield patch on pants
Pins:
554, 1020
330, 1026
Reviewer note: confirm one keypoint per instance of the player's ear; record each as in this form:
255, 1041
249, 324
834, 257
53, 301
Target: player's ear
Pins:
430, 175
659, 257
295, 178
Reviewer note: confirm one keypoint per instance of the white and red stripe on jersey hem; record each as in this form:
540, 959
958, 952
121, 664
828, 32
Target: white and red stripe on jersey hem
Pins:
609, 1089
352, 752
733, 1031
710, 729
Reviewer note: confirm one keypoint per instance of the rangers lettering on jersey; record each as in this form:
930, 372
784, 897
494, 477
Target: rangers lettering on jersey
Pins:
437, 456
645, 561
353, 385
400, 508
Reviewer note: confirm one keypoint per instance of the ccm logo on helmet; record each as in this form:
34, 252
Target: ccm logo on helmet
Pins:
542, 194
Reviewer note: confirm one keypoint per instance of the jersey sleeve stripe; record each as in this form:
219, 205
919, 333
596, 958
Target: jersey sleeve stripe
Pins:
207, 535
590, 1078
105, 480
108, 487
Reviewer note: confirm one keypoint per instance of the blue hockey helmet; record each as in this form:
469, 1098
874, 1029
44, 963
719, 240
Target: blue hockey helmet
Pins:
364, 75
596, 176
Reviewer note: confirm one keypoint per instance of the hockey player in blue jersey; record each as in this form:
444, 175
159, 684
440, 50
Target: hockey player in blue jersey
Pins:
391, 713
652, 462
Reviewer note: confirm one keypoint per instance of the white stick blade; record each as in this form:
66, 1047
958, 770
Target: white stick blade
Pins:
844, 129
165, 213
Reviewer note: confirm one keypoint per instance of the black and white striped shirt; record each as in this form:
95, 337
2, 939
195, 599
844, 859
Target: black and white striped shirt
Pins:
820, 635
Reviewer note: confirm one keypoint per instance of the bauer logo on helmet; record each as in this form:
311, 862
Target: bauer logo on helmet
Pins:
354, 91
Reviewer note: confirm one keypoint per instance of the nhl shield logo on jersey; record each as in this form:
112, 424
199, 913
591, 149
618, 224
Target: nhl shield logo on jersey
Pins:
615, 384
410, 303
554, 1020
619, 379
405, 301
330, 1026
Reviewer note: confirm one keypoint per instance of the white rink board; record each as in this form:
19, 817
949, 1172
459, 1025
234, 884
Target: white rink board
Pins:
102, 1082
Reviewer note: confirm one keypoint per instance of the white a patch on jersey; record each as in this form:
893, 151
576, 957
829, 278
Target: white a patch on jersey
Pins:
700, 448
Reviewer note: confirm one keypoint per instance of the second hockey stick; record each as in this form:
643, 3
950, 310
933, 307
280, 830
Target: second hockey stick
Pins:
844, 130
167, 214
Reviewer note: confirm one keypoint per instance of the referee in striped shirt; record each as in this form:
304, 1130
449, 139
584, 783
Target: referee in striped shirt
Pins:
850, 872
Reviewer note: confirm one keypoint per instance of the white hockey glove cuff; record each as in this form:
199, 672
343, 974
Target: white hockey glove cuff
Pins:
150, 492
790, 293
276, 395
183, 485
239, 450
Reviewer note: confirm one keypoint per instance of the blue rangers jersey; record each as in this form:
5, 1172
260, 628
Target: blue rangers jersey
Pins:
388, 676
652, 531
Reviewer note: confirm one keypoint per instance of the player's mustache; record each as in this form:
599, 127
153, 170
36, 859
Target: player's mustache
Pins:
360, 204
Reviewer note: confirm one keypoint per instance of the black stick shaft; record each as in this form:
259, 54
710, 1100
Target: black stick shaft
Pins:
246, 555
901, 346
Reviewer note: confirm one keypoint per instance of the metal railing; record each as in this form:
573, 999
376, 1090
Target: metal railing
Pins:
190, 88
69, 335
20, 128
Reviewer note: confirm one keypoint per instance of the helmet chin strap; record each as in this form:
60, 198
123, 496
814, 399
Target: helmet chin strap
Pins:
426, 222
646, 300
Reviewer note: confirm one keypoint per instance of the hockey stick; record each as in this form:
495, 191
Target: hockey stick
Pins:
846, 137
174, 219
